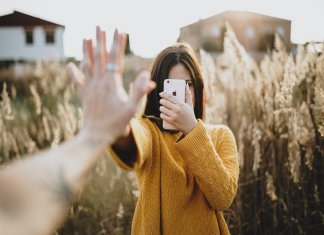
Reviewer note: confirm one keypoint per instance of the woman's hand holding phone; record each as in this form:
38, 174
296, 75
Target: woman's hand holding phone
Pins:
180, 114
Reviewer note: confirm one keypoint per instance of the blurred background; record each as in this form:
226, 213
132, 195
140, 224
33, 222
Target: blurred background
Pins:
263, 66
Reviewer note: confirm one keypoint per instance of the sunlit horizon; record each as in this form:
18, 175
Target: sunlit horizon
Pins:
153, 25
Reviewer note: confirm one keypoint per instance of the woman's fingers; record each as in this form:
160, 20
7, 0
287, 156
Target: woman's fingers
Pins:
166, 118
169, 97
169, 105
167, 112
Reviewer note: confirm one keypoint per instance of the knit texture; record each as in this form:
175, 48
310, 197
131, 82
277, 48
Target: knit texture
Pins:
185, 183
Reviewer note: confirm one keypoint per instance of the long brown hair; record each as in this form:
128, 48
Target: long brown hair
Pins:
180, 53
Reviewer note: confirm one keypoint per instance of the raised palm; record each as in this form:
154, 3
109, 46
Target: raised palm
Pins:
107, 108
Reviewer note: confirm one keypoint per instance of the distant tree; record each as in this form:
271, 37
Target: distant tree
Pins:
128, 50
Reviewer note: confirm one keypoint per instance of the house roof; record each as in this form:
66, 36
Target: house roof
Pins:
238, 14
249, 14
20, 19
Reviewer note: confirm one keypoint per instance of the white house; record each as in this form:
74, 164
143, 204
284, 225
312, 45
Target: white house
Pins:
28, 38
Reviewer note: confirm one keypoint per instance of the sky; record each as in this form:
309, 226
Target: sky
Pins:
153, 25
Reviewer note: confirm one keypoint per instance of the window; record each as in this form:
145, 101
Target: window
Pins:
29, 37
216, 31
49, 35
250, 32
281, 31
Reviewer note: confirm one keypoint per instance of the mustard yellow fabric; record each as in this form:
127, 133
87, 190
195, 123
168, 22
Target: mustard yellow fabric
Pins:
185, 183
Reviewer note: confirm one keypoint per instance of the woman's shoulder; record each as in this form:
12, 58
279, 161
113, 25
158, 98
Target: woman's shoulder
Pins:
219, 132
218, 128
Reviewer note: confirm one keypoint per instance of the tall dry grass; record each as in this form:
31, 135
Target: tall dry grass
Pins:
275, 108
40, 110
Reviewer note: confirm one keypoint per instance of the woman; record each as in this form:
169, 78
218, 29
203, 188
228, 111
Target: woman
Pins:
188, 177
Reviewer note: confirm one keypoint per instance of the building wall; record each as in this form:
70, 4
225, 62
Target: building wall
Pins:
13, 45
250, 30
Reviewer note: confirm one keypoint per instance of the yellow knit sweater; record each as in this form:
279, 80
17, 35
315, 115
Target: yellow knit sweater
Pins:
184, 184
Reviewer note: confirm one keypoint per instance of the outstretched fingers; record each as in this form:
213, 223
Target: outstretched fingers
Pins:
100, 56
123, 39
140, 87
115, 47
116, 55
105, 51
88, 60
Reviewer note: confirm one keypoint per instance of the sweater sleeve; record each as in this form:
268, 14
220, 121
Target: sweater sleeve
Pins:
216, 172
143, 140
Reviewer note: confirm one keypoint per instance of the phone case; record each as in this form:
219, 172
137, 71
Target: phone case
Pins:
176, 87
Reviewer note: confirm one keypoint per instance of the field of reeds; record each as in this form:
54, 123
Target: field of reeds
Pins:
275, 109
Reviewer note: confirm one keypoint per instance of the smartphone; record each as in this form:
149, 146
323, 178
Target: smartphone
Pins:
177, 88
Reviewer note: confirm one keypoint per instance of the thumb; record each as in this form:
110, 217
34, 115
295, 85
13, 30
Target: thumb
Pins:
76, 75
188, 96
141, 86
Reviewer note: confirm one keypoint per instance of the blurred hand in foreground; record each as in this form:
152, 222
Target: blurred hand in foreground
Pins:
36, 192
106, 106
